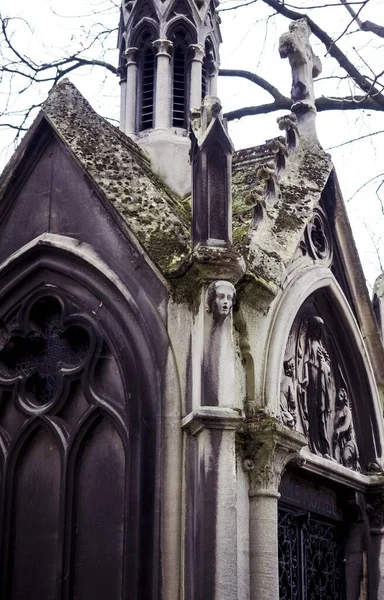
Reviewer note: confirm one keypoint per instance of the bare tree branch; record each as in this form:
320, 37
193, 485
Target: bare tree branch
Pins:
364, 25
262, 83
357, 139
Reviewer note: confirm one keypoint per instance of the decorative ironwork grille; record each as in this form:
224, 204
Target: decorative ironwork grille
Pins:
310, 552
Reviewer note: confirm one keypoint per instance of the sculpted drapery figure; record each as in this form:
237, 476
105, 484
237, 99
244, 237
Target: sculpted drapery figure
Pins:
288, 393
316, 388
344, 440
314, 392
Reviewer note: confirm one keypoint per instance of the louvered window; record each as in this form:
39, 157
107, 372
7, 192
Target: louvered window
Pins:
179, 91
147, 89
204, 79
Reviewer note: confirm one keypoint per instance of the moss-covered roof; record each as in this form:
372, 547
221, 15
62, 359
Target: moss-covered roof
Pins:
266, 226
123, 175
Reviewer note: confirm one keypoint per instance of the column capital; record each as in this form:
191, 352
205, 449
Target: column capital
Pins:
213, 68
163, 47
267, 447
197, 52
131, 54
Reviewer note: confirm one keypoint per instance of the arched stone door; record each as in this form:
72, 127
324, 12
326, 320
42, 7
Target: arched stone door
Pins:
78, 467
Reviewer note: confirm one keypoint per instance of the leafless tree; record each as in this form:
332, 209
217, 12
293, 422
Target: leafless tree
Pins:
354, 82
20, 72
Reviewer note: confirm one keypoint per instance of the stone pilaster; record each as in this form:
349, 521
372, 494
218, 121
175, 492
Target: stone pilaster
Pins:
197, 56
375, 512
131, 92
163, 49
211, 503
267, 447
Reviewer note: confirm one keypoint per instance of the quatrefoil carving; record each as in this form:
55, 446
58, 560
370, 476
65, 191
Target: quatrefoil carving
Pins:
43, 352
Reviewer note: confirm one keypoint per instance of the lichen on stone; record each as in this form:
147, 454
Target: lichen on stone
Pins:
122, 172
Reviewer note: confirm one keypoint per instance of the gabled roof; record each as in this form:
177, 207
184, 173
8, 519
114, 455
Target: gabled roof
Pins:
119, 170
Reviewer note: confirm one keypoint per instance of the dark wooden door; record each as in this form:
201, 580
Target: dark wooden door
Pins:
70, 497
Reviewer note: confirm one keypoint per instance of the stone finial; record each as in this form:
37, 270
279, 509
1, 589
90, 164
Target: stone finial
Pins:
211, 154
305, 65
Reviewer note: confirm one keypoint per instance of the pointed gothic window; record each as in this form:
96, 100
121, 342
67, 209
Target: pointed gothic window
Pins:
180, 95
207, 67
147, 83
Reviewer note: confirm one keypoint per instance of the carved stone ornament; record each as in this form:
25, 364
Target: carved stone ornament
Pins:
267, 449
131, 55
163, 47
221, 297
197, 52
316, 242
278, 146
314, 394
288, 123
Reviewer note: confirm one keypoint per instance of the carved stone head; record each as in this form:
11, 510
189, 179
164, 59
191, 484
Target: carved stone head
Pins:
221, 298
342, 398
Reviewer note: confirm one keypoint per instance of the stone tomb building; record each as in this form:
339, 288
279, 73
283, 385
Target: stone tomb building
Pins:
191, 368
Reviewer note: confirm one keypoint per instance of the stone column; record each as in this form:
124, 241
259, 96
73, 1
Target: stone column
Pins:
211, 503
197, 56
131, 97
163, 48
213, 76
267, 448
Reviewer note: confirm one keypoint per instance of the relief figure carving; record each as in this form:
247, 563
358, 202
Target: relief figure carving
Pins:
316, 383
314, 396
288, 391
344, 440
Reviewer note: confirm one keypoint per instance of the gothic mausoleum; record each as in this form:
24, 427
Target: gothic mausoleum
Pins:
191, 367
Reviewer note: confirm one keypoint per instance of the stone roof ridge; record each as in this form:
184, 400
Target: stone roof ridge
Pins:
265, 164
65, 88
153, 215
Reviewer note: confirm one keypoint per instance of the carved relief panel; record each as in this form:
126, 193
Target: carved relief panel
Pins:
316, 394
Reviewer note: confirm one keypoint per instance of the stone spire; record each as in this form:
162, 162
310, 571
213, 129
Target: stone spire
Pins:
169, 57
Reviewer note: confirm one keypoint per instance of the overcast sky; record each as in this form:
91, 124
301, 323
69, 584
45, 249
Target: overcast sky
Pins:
250, 42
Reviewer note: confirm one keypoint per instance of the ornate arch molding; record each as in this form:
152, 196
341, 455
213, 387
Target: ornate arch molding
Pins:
312, 283
180, 22
145, 24
49, 286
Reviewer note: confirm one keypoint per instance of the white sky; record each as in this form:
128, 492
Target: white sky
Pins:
250, 42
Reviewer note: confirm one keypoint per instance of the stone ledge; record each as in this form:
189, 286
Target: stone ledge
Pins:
212, 417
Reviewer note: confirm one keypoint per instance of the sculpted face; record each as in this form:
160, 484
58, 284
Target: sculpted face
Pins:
221, 298
342, 397
224, 298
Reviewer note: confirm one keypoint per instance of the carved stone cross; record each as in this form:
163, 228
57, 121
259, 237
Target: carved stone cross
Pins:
305, 65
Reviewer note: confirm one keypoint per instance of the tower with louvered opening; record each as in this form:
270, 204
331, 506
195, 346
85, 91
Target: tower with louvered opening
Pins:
169, 57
